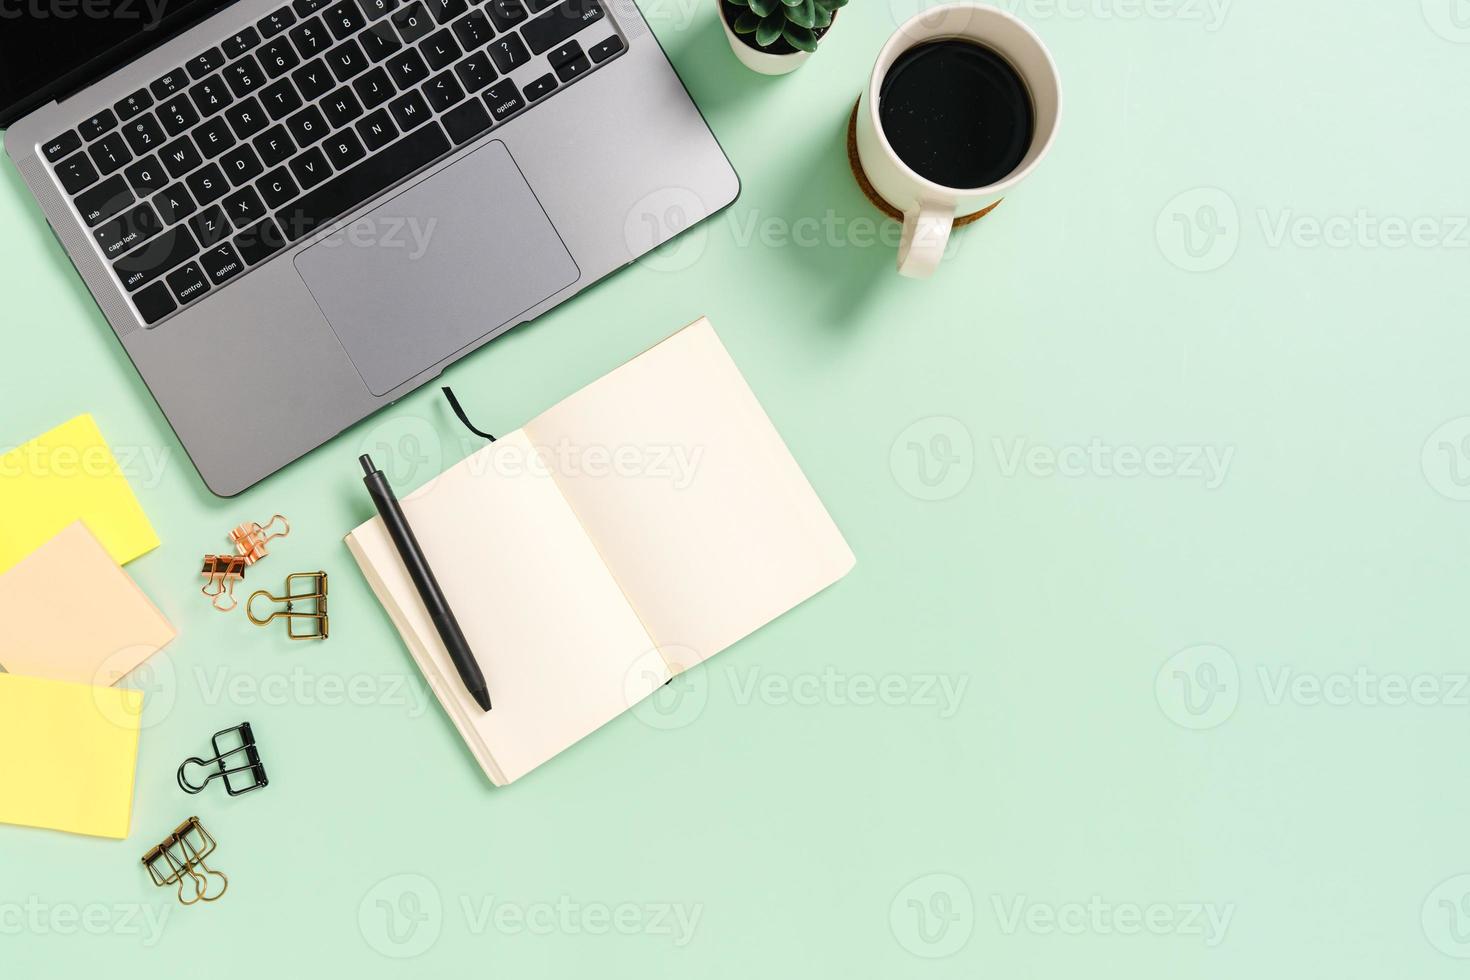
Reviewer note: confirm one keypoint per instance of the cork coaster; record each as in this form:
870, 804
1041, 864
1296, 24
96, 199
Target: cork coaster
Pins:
872, 195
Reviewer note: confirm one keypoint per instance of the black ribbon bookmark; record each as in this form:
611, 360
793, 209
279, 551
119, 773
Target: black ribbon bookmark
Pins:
459, 411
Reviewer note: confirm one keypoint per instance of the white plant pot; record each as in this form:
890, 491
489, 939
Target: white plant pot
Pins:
756, 59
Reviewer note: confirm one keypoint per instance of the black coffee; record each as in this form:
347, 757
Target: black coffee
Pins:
957, 113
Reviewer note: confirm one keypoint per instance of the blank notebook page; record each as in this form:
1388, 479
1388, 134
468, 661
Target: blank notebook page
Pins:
709, 550
561, 650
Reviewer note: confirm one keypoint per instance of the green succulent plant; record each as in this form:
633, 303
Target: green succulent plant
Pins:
798, 21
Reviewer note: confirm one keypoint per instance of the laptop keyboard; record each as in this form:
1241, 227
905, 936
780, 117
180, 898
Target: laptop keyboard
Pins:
284, 127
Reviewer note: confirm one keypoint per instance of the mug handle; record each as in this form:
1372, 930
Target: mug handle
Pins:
926, 228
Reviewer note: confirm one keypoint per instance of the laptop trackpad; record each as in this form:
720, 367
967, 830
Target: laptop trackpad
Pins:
436, 268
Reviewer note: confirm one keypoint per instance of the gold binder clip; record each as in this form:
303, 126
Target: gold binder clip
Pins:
309, 606
221, 572
250, 539
179, 859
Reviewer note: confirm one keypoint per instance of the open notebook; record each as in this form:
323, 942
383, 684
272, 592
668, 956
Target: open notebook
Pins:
630, 532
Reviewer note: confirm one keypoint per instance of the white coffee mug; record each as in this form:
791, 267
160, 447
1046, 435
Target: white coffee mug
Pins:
930, 209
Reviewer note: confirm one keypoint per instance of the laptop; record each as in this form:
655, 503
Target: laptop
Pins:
294, 212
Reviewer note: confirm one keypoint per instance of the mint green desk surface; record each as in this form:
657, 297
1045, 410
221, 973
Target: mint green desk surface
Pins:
1153, 662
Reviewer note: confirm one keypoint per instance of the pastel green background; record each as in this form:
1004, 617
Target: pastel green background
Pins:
1231, 689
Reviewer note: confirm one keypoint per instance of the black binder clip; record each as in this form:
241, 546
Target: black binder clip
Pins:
251, 764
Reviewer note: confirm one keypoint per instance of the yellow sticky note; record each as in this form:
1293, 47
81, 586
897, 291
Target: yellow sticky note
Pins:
69, 474
67, 755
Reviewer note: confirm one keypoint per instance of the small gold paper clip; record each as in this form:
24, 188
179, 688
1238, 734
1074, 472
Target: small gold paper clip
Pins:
221, 572
250, 539
309, 606
179, 858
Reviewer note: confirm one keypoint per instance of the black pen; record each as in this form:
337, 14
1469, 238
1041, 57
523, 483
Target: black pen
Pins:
423, 580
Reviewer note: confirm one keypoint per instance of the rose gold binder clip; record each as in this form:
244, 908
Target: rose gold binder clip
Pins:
250, 539
252, 543
221, 572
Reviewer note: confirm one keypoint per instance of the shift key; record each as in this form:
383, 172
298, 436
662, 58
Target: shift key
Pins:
146, 264
560, 23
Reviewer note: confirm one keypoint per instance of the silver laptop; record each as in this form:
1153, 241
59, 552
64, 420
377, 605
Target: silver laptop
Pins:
292, 214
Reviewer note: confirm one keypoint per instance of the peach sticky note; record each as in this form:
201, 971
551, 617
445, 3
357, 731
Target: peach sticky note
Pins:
67, 755
70, 613
66, 475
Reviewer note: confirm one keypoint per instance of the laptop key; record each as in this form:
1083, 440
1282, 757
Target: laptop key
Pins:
507, 13
443, 91
174, 204
559, 56
274, 146
509, 52
379, 41
146, 177
377, 130
260, 241
94, 126
560, 23
281, 99
410, 110
188, 283
208, 184
210, 226
446, 10
181, 156
347, 60
105, 200
504, 100
440, 50
243, 77
575, 68
132, 105
413, 22
408, 69
341, 107
171, 84
305, 8
311, 38
151, 260
311, 168
241, 165
344, 149
238, 44
154, 303
203, 64
144, 134
110, 153
373, 9
539, 5
364, 181
313, 79
211, 96
606, 49
277, 187
278, 57
178, 114
475, 72
214, 137
246, 118
76, 173
465, 122
540, 88
244, 207
221, 263
127, 230
374, 88
60, 146
345, 19
307, 126
274, 23
473, 30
